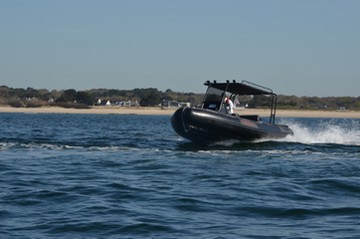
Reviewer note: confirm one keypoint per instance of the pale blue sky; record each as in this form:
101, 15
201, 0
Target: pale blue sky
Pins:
303, 47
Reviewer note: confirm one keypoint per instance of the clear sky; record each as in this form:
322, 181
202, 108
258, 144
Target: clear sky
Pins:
295, 47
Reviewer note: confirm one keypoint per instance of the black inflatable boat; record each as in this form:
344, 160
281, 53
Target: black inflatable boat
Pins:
214, 121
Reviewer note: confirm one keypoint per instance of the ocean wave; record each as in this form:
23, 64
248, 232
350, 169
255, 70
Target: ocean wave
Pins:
294, 213
32, 145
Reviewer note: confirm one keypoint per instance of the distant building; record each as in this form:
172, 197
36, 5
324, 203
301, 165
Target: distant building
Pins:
135, 103
187, 104
174, 104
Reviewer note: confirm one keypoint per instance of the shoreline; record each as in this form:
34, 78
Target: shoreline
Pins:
170, 111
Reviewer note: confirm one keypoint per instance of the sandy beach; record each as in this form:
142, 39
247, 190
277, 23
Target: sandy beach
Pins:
170, 111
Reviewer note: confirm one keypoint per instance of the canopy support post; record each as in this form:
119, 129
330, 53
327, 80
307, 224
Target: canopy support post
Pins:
273, 108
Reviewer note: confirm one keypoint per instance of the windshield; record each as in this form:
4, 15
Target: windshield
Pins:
213, 99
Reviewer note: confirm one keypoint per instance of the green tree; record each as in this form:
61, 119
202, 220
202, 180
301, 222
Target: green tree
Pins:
259, 101
69, 96
150, 98
85, 98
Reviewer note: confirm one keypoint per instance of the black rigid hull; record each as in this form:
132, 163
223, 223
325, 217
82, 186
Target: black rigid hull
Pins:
204, 126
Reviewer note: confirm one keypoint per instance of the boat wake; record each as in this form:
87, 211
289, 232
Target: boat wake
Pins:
325, 132
307, 132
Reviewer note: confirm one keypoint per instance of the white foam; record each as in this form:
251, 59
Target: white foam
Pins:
325, 133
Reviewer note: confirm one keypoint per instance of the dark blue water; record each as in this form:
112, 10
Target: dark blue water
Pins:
128, 176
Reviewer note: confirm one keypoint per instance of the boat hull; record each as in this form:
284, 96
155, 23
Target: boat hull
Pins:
204, 126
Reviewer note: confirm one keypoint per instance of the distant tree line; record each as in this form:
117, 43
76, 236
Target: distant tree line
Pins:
308, 103
19, 97
30, 97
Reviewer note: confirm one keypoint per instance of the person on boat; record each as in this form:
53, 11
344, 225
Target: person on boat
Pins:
229, 105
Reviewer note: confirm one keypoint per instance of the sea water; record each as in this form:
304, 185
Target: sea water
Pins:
130, 176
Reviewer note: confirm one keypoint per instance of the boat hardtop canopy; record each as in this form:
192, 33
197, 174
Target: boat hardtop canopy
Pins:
240, 88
